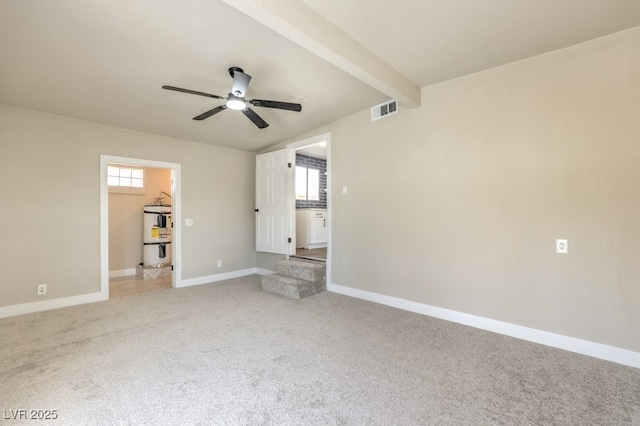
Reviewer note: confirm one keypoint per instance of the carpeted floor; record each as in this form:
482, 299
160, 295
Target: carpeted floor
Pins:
228, 353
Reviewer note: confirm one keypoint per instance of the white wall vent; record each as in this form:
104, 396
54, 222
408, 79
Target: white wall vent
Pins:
384, 110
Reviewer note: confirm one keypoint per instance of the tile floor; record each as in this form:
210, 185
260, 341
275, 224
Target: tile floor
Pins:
123, 286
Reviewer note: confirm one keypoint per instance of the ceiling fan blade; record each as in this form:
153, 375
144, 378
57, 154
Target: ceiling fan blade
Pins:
240, 83
257, 120
210, 112
192, 92
276, 104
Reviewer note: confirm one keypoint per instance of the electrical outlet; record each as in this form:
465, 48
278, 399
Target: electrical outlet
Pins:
42, 289
188, 222
219, 263
562, 246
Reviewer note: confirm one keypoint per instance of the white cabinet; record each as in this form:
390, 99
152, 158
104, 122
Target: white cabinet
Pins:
311, 228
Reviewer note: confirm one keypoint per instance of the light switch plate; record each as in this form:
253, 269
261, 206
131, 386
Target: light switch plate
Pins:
188, 222
562, 246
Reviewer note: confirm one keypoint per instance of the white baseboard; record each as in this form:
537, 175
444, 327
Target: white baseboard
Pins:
216, 277
262, 271
316, 246
583, 347
46, 305
122, 273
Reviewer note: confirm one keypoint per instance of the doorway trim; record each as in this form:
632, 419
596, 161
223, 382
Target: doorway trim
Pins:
292, 147
176, 236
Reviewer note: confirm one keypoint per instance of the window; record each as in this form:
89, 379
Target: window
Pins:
125, 179
307, 184
125, 176
313, 184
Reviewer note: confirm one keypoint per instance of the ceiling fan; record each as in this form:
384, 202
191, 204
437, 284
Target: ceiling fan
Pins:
236, 99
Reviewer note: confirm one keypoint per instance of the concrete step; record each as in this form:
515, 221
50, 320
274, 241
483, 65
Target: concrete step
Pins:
304, 270
291, 287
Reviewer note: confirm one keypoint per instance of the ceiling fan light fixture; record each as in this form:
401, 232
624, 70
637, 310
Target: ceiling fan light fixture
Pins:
236, 103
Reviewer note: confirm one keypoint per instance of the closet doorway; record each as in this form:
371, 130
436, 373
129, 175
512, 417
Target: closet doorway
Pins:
131, 263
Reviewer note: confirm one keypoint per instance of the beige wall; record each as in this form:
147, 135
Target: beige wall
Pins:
126, 219
50, 192
457, 204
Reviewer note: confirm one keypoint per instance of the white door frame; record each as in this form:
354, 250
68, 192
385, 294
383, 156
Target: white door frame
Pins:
292, 147
176, 234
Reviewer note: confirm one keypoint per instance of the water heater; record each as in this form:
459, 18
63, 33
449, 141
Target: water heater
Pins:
157, 235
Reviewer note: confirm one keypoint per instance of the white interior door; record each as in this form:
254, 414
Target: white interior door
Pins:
273, 183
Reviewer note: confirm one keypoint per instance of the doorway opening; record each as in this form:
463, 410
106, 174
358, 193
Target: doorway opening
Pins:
140, 247
310, 217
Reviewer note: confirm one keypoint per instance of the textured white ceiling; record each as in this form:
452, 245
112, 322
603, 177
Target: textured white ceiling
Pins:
105, 61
